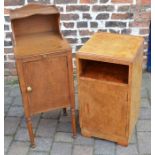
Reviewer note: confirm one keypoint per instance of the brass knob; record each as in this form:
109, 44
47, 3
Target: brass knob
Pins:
29, 89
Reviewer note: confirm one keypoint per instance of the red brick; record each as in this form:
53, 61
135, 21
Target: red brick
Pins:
139, 24
13, 72
122, 16
72, 40
85, 39
126, 31
11, 57
78, 47
69, 16
88, 1
143, 15
85, 32
9, 65
13, 2
122, 1
69, 32
102, 16
101, 8
39, 1
68, 25
87, 16
77, 8
82, 24
114, 31
144, 31
6, 11
65, 1
123, 8
8, 50
145, 2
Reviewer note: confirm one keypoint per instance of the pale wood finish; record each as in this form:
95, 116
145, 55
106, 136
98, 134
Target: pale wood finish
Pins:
109, 76
110, 47
37, 44
43, 61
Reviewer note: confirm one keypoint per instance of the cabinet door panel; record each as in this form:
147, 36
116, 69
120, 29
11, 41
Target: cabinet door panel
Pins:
48, 79
103, 107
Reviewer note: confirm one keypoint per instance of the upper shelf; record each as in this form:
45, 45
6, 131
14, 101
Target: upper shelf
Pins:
39, 43
32, 9
36, 30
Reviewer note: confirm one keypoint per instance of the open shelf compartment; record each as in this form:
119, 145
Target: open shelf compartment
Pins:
103, 71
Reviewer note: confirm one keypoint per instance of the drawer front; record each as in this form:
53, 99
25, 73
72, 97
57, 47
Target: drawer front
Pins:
103, 107
46, 83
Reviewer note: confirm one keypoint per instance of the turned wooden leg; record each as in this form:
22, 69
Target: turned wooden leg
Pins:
64, 112
30, 131
73, 122
71, 93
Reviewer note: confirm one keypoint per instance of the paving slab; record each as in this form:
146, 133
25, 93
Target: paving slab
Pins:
144, 142
61, 149
11, 125
144, 125
82, 150
130, 150
63, 137
81, 140
42, 144
7, 142
103, 147
18, 148
46, 128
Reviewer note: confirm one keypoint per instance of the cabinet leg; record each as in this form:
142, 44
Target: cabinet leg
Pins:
64, 112
73, 122
85, 133
30, 131
123, 143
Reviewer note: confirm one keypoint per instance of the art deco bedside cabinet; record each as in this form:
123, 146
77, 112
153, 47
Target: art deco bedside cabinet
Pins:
43, 61
109, 75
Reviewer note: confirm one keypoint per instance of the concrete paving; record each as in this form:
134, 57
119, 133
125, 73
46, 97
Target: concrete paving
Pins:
53, 130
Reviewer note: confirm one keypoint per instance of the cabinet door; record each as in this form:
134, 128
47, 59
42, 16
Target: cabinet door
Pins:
103, 107
47, 79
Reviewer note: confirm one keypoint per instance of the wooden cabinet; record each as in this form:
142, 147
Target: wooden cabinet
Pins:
109, 75
43, 61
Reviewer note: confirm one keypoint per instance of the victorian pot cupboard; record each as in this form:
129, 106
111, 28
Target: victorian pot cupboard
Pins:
109, 76
43, 61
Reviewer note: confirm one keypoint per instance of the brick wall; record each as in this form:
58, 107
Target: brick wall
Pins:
81, 18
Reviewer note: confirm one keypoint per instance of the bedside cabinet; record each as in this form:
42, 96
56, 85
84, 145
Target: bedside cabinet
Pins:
109, 75
43, 61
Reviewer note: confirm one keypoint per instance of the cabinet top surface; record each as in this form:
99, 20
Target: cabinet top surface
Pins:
39, 43
115, 46
32, 9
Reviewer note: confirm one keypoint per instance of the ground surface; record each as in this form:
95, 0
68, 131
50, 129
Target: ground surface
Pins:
53, 130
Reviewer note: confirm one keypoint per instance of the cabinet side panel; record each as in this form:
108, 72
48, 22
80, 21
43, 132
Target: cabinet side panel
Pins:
136, 78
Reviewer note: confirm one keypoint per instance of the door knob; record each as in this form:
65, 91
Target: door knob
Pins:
29, 89
44, 56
